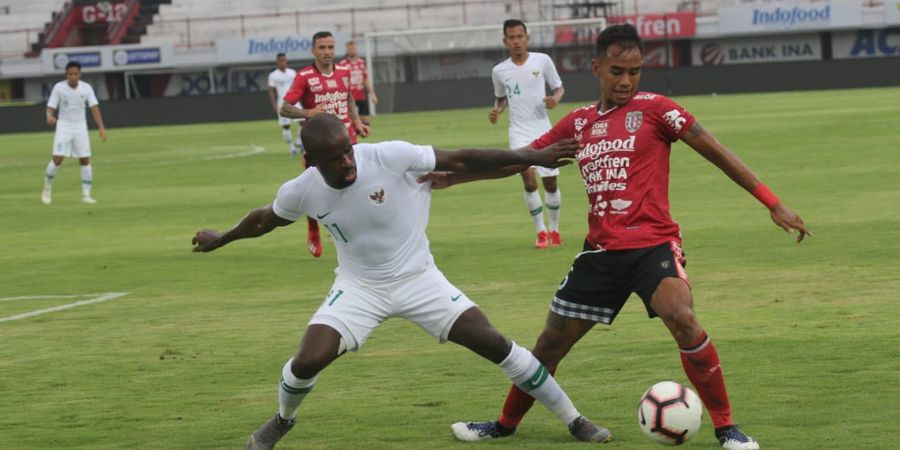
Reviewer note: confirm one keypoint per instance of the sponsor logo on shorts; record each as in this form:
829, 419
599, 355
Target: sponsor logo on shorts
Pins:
664, 265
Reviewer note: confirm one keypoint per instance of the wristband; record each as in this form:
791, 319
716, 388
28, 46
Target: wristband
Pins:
765, 195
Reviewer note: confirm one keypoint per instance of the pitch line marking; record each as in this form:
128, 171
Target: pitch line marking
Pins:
102, 298
254, 150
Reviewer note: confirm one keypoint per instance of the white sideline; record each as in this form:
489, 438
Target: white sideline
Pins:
102, 298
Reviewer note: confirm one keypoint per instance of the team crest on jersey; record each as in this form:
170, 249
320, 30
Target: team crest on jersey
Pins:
535, 73
331, 84
580, 122
633, 121
313, 81
599, 129
377, 196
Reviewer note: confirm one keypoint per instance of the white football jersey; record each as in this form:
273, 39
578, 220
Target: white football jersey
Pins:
281, 81
525, 88
70, 104
377, 223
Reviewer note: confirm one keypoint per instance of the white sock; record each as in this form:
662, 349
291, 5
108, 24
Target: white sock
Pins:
529, 375
553, 200
49, 174
87, 180
292, 391
533, 203
288, 139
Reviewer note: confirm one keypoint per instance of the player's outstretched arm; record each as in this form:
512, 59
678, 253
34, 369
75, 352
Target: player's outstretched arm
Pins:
481, 160
710, 148
443, 177
256, 223
273, 98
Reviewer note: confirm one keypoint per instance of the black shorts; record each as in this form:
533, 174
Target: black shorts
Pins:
602, 280
362, 107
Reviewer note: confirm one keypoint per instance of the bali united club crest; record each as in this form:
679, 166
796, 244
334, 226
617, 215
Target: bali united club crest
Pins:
377, 196
633, 121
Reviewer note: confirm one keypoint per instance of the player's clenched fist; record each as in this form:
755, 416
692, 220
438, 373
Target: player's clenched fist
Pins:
206, 240
492, 116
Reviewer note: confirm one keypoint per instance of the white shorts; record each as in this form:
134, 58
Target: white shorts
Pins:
285, 121
518, 139
355, 308
544, 172
71, 143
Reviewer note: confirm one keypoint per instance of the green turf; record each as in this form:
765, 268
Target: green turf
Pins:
808, 334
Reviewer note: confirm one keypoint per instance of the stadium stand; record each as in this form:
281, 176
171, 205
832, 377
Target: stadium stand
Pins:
22, 21
198, 23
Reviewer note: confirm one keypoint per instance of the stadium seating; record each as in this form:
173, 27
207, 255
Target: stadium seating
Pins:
199, 23
22, 15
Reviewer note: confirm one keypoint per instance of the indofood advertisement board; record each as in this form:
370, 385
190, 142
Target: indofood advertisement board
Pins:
780, 17
264, 49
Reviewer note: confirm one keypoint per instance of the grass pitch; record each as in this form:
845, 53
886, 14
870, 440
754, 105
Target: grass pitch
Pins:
189, 359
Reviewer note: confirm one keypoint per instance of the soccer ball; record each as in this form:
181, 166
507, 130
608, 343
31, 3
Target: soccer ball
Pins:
669, 413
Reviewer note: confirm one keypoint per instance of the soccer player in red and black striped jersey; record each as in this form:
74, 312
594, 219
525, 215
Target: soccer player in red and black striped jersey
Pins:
360, 84
633, 245
322, 87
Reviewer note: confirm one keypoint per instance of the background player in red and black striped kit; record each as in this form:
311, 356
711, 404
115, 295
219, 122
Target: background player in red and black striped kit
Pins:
633, 244
323, 87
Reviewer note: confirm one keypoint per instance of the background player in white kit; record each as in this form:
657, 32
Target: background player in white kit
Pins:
519, 81
69, 97
280, 81
368, 197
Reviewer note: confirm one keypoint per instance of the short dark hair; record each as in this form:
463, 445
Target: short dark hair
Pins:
623, 34
512, 23
280, 55
320, 35
75, 64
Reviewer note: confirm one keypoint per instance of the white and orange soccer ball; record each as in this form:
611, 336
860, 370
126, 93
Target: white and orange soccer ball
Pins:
669, 413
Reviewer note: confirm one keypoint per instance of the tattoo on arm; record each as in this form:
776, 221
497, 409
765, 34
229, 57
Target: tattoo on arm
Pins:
694, 131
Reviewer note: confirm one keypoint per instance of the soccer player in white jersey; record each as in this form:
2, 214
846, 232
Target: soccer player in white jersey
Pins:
69, 97
369, 198
280, 81
519, 82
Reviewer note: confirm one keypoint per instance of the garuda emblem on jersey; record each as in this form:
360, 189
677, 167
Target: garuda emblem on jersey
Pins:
535, 73
633, 121
377, 197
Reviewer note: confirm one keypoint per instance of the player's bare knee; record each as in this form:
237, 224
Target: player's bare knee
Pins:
550, 184
307, 364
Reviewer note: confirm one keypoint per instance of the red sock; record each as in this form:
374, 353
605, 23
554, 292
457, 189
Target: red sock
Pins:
701, 364
517, 405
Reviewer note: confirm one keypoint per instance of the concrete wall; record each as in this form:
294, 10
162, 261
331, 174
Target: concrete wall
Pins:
435, 95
